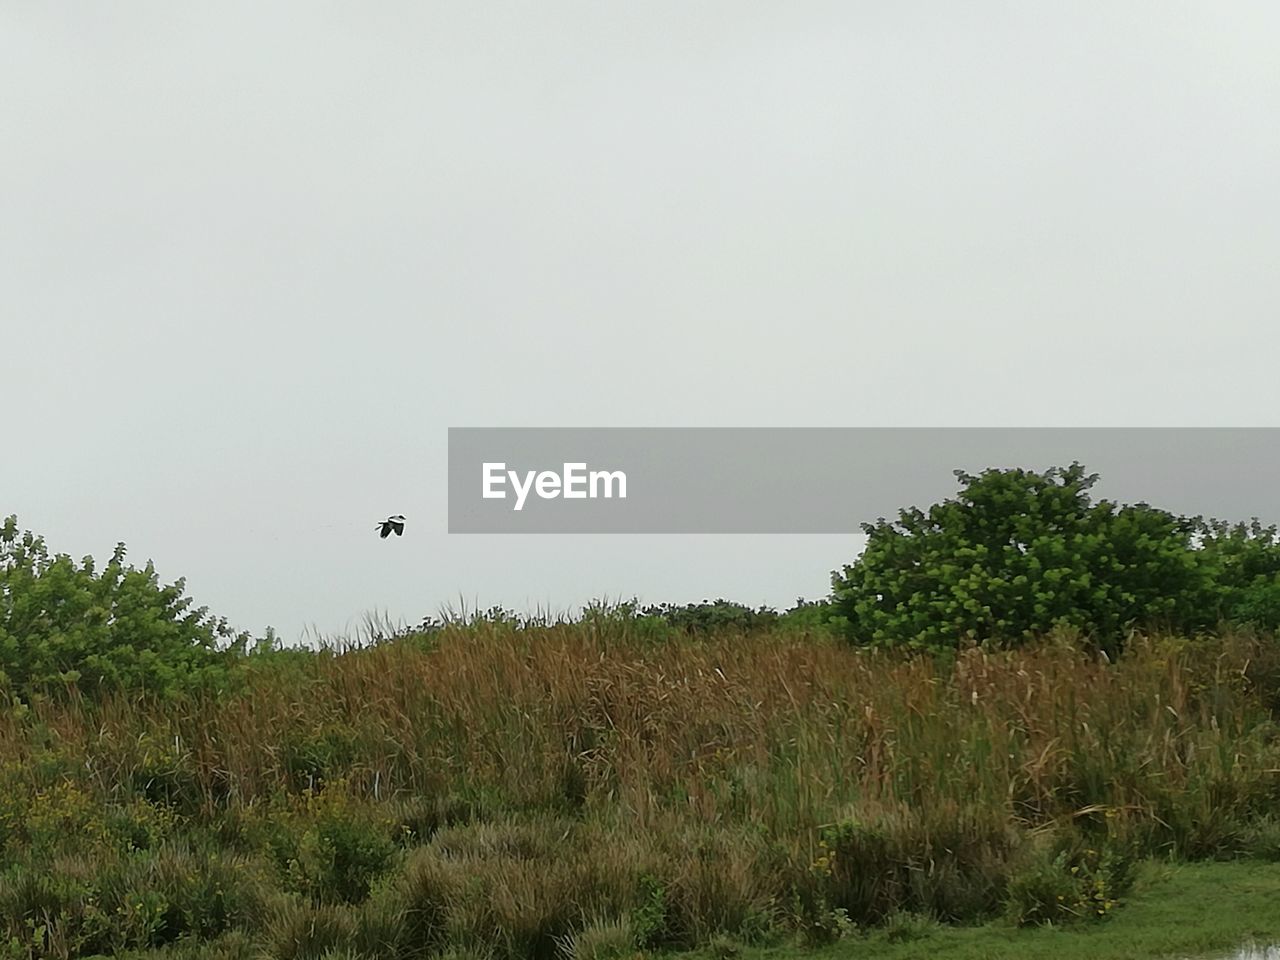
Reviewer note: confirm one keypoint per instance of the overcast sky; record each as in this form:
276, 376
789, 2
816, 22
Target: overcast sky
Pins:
256, 258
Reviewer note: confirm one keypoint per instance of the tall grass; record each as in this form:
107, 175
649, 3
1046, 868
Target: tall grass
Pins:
528, 790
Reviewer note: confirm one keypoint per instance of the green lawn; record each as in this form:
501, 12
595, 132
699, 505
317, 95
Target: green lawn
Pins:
1196, 910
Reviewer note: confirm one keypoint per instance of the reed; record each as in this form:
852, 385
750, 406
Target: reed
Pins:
514, 790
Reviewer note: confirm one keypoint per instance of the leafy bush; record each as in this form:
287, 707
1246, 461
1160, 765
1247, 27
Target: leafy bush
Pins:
1017, 553
66, 623
814, 616
1243, 562
649, 920
1066, 882
342, 851
710, 615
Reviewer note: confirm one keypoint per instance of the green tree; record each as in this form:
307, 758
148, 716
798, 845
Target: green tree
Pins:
1017, 553
1243, 561
66, 623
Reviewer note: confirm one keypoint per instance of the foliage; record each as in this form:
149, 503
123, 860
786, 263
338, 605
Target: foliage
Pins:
730, 781
63, 623
342, 848
947, 861
1067, 882
815, 616
1242, 560
1018, 553
709, 615
650, 922
408, 800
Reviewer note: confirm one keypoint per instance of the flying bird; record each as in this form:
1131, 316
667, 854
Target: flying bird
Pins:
395, 523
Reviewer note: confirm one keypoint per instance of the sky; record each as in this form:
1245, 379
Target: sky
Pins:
256, 259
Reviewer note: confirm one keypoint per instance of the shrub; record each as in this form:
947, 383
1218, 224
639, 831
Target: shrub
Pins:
649, 920
198, 896
1017, 553
948, 862
712, 615
85, 905
1243, 561
1065, 881
59, 909
815, 616
65, 623
341, 851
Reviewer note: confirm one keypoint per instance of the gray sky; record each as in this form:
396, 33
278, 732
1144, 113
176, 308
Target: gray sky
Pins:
256, 258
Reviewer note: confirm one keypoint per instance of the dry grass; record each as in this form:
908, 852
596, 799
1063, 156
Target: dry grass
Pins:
531, 778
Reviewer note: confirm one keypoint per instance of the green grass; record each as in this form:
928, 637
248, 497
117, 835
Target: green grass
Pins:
1188, 912
1191, 910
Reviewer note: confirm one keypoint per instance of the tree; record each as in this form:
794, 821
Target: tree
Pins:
63, 623
1243, 561
1017, 553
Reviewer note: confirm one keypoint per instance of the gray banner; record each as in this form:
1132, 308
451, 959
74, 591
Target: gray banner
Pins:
824, 480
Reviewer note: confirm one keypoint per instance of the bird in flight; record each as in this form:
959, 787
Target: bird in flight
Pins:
392, 523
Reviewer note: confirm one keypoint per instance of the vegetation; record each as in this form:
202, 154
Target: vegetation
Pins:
657, 621
1017, 554
63, 623
1044, 696
514, 791
1194, 910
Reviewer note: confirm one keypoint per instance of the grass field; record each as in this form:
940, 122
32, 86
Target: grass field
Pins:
1209, 910
594, 789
